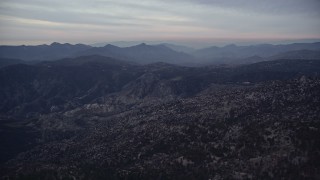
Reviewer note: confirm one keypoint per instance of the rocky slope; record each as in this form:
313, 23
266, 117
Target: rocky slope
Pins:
96, 118
270, 130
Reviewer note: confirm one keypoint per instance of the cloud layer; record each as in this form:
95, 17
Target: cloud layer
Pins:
89, 21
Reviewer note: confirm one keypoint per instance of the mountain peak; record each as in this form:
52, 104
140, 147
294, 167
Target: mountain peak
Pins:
60, 44
142, 45
110, 46
55, 44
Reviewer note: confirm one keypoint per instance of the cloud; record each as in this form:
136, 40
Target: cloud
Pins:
90, 21
263, 6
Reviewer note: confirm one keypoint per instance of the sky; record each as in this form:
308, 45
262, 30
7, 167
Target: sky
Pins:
33, 22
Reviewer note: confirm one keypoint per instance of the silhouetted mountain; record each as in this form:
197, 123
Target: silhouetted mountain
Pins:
41, 52
141, 53
120, 43
263, 50
168, 53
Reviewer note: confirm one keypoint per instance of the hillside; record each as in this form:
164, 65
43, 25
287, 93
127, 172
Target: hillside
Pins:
95, 117
269, 130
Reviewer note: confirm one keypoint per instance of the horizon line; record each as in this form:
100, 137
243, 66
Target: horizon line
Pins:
188, 43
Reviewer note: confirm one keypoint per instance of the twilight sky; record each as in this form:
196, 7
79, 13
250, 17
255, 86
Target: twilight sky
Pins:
206, 21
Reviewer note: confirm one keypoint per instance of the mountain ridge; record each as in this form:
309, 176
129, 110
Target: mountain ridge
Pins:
144, 54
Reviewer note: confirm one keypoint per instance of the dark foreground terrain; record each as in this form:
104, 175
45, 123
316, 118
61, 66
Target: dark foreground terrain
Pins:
94, 117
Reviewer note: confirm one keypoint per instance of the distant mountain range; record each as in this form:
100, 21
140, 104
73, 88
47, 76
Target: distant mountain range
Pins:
41, 52
141, 53
169, 53
240, 54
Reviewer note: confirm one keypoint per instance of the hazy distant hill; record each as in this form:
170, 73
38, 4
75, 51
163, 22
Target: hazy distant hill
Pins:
169, 53
179, 48
41, 52
126, 43
141, 53
263, 50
